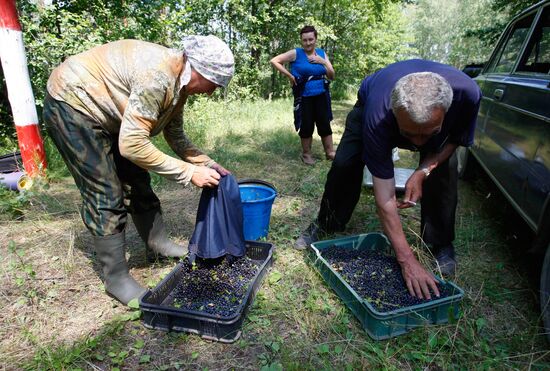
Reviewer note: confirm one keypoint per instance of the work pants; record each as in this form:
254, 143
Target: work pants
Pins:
109, 184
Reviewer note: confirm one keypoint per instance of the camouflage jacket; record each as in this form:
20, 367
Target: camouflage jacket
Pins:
134, 90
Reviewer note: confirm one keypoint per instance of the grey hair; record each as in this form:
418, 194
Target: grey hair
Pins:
419, 93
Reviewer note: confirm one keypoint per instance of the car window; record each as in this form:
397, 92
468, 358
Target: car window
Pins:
537, 54
509, 51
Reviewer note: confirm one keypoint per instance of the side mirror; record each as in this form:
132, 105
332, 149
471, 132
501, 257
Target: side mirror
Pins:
473, 70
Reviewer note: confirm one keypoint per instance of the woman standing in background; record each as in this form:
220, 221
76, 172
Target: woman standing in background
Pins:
308, 68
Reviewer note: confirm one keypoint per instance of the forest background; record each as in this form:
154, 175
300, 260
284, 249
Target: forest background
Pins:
359, 36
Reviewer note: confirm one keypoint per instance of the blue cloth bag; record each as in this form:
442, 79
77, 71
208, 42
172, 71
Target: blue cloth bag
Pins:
219, 224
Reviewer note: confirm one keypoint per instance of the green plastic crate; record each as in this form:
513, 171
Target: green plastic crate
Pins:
382, 325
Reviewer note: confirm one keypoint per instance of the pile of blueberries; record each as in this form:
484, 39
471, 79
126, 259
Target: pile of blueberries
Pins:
376, 277
214, 286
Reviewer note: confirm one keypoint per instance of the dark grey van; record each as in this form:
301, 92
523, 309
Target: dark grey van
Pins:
512, 141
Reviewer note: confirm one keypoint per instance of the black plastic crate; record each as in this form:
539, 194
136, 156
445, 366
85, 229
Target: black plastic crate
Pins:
159, 314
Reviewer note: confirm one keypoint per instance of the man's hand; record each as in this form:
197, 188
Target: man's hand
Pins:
220, 169
205, 177
413, 190
419, 282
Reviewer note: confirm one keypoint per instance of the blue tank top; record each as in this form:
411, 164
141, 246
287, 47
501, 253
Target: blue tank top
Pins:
302, 68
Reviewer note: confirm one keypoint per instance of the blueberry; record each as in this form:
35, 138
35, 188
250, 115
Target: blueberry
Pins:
374, 276
214, 286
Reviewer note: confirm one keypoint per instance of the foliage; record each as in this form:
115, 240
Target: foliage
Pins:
12, 203
7, 129
359, 36
504, 9
512, 7
467, 47
460, 32
8, 137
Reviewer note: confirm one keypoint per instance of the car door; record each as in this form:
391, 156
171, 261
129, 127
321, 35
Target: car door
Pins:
534, 103
508, 130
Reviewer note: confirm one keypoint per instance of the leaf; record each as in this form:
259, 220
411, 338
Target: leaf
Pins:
432, 343
338, 349
139, 344
132, 316
480, 324
146, 358
134, 303
99, 357
272, 367
323, 349
275, 346
420, 356
486, 348
194, 355
275, 277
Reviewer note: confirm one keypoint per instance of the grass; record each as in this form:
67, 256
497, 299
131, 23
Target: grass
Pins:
54, 314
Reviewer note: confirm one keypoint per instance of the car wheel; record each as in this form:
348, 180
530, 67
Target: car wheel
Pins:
545, 293
463, 158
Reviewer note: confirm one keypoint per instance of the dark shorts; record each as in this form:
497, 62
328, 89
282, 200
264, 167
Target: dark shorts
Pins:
110, 185
315, 111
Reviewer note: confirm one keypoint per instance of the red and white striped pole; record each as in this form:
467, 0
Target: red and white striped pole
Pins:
16, 73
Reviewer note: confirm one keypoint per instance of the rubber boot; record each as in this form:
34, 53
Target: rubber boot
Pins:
446, 259
307, 237
111, 254
328, 146
307, 156
151, 229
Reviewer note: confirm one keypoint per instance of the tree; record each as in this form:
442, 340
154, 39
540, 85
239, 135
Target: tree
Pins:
456, 32
359, 36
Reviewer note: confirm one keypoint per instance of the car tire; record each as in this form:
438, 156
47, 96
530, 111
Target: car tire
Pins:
464, 160
545, 293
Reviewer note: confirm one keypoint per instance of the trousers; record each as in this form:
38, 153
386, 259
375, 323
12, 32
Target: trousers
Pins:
110, 185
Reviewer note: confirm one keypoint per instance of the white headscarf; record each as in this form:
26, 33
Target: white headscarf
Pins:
210, 57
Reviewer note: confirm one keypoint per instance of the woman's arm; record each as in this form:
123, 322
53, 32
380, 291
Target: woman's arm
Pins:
281, 59
325, 62
330, 69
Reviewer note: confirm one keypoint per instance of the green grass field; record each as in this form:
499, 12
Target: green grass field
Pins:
55, 315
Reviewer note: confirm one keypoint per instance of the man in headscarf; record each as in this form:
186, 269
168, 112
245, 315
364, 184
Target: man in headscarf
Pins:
101, 110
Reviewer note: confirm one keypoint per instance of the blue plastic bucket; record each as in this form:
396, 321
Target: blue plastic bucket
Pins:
257, 200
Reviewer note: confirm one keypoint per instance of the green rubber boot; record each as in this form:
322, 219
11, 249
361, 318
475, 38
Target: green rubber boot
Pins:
118, 282
151, 229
